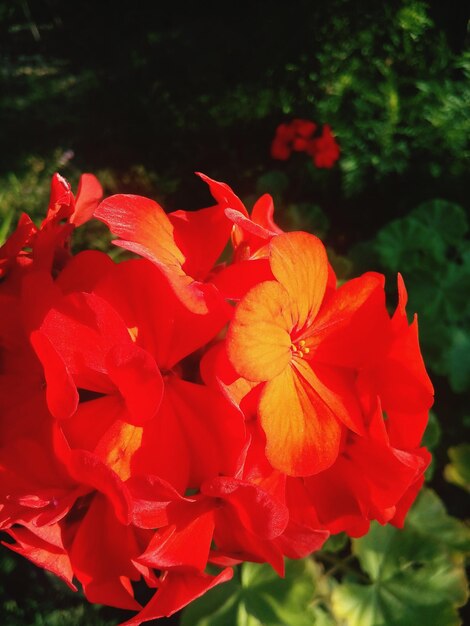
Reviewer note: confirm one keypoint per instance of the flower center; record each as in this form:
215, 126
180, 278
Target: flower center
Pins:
299, 349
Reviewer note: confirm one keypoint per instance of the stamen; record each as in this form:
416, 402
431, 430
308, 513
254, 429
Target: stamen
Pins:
299, 350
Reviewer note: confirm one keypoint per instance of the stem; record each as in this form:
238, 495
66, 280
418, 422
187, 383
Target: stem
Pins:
341, 565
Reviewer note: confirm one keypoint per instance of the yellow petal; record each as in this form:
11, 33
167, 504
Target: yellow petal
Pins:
302, 434
258, 341
299, 262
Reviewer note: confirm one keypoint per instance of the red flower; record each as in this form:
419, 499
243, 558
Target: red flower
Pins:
298, 136
274, 336
192, 411
324, 150
293, 136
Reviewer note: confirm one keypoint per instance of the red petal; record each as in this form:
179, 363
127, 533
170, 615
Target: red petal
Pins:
263, 212
151, 498
87, 468
16, 242
215, 429
61, 195
61, 391
235, 280
45, 548
143, 298
176, 590
223, 195
102, 554
202, 236
256, 510
136, 375
83, 271
88, 196
146, 230
186, 544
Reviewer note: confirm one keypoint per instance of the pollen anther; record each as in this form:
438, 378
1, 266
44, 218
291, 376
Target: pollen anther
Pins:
299, 350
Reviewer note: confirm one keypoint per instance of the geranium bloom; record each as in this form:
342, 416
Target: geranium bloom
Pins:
184, 409
273, 338
324, 149
49, 242
299, 136
183, 245
293, 136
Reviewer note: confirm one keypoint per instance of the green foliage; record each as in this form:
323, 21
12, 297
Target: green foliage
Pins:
431, 439
28, 191
335, 543
429, 247
393, 92
386, 79
257, 597
416, 576
273, 182
392, 577
458, 470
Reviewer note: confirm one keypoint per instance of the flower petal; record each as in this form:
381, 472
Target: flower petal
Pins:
146, 230
176, 590
258, 340
302, 433
299, 263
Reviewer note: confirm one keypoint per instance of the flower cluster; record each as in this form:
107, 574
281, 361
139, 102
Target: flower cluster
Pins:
300, 136
173, 413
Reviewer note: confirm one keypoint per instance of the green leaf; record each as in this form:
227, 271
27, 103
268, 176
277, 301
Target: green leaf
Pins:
406, 245
335, 543
5, 226
274, 182
342, 266
458, 361
446, 218
257, 597
416, 575
322, 617
458, 470
431, 438
429, 520
432, 434
307, 216
429, 248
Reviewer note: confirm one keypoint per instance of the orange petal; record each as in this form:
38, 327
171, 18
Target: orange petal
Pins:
258, 341
144, 228
299, 262
302, 433
118, 446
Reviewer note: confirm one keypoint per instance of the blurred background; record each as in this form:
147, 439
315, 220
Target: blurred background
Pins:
144, 95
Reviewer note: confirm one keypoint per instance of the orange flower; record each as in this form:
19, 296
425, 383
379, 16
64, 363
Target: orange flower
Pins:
273, 338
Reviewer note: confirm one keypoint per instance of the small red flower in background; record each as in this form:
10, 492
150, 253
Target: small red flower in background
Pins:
299, 136
292, 136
